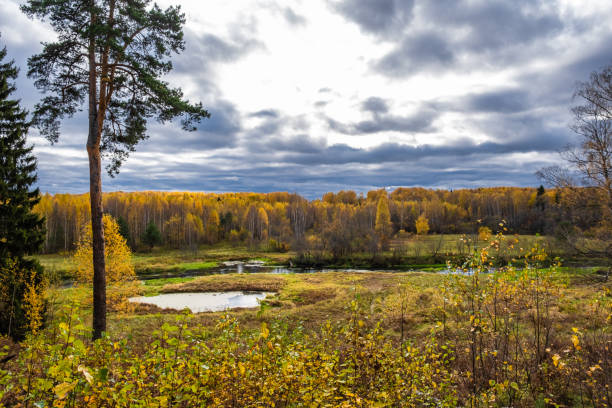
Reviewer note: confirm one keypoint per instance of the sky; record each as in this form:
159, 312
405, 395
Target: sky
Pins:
311, 96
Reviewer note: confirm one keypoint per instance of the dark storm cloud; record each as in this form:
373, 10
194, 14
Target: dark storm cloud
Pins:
381, 17
419, 122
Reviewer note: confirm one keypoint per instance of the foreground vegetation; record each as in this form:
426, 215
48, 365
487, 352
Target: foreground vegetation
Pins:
523, 335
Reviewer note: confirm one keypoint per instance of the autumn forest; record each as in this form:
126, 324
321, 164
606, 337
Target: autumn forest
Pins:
186, 220
234, 257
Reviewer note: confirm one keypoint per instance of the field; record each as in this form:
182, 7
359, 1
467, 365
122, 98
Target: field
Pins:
531, 336
163, 260
406, 252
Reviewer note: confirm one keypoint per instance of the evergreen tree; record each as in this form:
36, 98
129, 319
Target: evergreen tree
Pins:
124, 230
540, 199
21, 230
152, 236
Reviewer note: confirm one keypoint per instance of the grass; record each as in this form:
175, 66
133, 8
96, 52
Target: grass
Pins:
227, 283
168, 261
407, 252
446, 245
311, 299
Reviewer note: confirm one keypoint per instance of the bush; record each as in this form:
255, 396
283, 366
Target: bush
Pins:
277, 246
22, 302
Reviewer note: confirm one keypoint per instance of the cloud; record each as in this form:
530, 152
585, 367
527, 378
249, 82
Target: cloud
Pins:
340, 167
293, 18
402, 153
299, 143
484, 87
460, 34
491, 25
498, 101
417, 52
382, 121
375, 105
206, 50
265, 113
380, 17
219, 131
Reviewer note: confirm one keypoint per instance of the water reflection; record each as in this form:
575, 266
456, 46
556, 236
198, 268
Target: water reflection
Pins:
203, 302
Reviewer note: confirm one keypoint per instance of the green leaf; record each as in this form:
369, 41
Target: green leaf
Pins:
103, 374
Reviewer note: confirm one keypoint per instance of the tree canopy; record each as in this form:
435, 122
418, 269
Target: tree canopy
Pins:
126, 47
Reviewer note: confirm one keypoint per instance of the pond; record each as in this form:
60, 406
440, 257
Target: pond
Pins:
203, 301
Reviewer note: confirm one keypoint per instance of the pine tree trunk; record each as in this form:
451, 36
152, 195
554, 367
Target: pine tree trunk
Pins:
99, 275
95, 195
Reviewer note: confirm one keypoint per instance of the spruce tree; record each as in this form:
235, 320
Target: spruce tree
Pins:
152, 236
21, 230
124, 230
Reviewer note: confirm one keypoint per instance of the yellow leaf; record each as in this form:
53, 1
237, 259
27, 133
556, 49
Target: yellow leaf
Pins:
265, 332
556, 359
62, 389
576, 341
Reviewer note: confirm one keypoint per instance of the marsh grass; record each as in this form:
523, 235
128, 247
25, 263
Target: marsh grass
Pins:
525, 335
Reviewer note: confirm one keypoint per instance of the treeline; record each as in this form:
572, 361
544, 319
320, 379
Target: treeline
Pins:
340, 222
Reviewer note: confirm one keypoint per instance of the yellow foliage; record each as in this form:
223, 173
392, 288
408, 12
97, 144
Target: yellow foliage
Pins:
119, 269
484, 233
383, 218
422, 225
118, 256
34, 298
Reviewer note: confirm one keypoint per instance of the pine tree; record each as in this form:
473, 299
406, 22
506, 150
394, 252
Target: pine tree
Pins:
152, 236
21, 230
110, 56
124, 230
